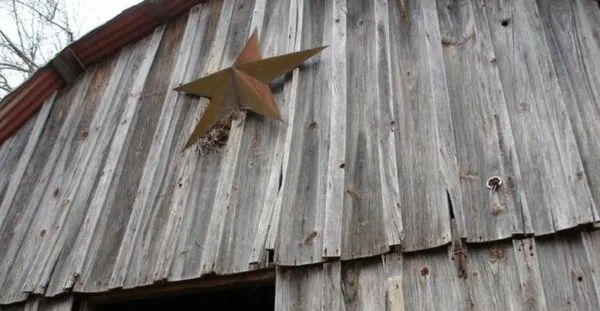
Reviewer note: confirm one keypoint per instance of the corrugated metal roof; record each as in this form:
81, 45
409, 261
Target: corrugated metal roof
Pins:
388, 141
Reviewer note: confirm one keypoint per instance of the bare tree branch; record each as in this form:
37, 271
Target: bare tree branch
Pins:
50, 18
31, 32
20, 53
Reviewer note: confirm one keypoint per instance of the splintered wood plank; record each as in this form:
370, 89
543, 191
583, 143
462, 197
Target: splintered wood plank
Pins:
303, 186
82, 174
10, 152
256, 180
17, 175
237, 213
186, 162
571, 28
101, 201
567, 267
223, 52
101, 254
553, 179
484, 142
133, 255
290, 89
423, 127
268, 138
43, 178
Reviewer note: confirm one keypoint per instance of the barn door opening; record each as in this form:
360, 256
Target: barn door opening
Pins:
248, 298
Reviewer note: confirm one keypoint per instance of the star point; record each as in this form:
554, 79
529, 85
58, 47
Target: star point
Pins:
243, 85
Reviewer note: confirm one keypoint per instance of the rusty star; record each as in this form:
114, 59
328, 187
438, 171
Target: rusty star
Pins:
243, 85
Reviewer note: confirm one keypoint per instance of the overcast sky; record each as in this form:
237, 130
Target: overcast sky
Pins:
90, 14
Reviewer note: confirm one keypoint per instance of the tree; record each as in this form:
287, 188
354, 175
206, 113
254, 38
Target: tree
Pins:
31, 32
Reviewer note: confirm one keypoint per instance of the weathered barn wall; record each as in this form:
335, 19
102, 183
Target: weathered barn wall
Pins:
389, 137
551, 273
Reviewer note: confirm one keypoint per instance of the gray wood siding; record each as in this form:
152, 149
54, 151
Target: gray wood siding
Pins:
388, 139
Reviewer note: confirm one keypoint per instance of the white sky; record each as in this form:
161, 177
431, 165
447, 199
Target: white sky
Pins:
90, 14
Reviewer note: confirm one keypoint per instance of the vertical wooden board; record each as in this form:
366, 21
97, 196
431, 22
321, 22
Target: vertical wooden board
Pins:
303, 186
423, 191
10, 152
553, 178
364, 284
34, 223
336, 174
11, 204
591, 242
268, 146
485, 146
493, 278
257, 156
84, 173
576, 55
185, 162
362, 223
17, 176
299, 288
430, 281
222, 53
567, 272
533, 296
233, 243
138, 252
119, 208
85, 245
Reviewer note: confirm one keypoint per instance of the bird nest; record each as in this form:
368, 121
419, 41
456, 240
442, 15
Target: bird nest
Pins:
218, 134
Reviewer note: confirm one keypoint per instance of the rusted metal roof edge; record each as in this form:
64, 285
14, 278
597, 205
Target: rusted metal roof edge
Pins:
127, 27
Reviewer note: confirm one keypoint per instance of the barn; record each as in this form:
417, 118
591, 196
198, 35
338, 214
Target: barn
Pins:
438, 155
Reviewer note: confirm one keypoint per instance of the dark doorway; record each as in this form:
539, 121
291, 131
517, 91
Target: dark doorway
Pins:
249, 298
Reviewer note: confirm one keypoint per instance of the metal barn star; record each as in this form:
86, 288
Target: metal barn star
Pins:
243, 85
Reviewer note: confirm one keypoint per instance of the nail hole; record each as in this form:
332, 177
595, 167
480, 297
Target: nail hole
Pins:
505, 22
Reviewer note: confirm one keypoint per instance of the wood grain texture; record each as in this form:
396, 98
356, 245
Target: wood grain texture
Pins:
388, 139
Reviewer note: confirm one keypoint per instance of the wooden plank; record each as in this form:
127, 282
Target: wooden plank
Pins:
33, 222
187, 161
553, 180
566, 272
334, 199
575, 53
158, 155
17, 175
363, 223
269, 148
85, 246
420, 119
532, 290
430, 282
299, 288
235, 214
388, 168
493, 277
485, 145
112, 223
81, 175
10, 152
